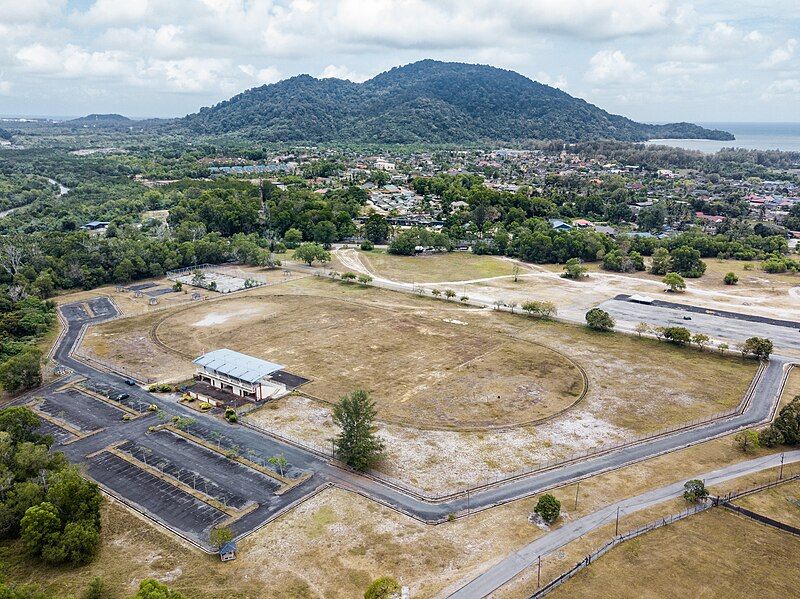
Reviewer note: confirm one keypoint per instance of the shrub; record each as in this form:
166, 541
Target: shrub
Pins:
600, 320
205, 406
548, 507
384, 587
367, 245
731, 278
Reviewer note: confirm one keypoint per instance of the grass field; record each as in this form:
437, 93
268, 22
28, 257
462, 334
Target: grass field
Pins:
453, 266
781, 503
712, 554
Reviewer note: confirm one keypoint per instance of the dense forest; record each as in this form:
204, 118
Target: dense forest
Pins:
427, 101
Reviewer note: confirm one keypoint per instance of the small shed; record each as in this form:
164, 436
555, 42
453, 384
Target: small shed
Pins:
227, 552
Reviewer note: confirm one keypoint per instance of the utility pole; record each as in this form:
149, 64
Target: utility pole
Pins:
616, 527
539, 573
780, 477
577, 490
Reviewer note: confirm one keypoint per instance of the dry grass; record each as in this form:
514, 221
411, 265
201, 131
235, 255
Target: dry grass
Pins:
781, 503
453, 266
712, 554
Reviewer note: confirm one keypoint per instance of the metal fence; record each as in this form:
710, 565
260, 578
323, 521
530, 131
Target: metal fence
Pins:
542, 591
712, 502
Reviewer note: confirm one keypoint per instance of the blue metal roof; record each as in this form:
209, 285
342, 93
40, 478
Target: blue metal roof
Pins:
237, 365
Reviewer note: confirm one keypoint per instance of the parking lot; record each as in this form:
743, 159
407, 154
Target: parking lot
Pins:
154, 496
726, 326
81, 411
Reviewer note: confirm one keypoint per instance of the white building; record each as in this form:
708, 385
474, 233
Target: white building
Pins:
239, 374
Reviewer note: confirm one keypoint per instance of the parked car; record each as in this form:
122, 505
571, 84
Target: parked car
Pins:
130, 382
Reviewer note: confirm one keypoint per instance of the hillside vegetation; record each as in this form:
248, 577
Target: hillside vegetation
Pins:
427, 101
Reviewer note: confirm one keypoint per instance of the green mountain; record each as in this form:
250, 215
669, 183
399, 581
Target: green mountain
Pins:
428, 102
101, 120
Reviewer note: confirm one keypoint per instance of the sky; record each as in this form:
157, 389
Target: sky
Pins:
651, 60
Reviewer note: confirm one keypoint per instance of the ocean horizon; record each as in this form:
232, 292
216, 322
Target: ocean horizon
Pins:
751, 136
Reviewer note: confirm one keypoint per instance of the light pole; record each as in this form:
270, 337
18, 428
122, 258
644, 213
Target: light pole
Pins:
780, 476
616, 527
577, 490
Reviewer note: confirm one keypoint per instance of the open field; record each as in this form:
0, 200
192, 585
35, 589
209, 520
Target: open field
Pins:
712, 554
344, 337
780, 503
453, 266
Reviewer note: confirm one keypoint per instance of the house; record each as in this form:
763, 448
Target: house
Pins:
582, 223
710, 218
227, 552
238, 374
95, 225
560, 225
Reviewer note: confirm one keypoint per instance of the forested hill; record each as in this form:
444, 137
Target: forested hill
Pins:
429, 102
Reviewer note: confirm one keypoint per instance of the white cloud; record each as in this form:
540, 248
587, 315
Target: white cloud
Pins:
69, 62
164, 41
674, 68
782, 88
5, 87
560, 82
30, 11
190, 75
781, 55
115, 12
611, 67
261, 76
342, 72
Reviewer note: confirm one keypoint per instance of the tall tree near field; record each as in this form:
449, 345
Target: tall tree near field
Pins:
357, 444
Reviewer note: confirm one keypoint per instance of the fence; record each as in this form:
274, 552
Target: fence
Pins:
542, 591
715, 501
761, 518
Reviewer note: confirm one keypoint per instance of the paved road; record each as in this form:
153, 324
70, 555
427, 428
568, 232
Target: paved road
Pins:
758, 410
730, 330
514, 564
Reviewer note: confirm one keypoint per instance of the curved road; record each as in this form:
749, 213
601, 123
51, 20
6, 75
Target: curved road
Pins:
759, 409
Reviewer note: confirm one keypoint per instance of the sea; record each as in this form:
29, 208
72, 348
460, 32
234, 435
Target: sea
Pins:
751, 136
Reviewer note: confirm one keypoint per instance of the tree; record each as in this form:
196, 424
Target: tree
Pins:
731, 278
436, 292
642, 328
153, 589
22, 371
79, 543
384, 587
599, 320
538, 308
678, 335
40, 528
686, 261
449, 293
700, 340
348, 276
279, 461
357, 444
787, 423
747, 441
574, 269
723, 347
311, 252
661, 264
292, 238
325, 233
515, 272
758, 347
548, 507
376, 229
220, 535
770, 437
674, 282
364, 279
694, 491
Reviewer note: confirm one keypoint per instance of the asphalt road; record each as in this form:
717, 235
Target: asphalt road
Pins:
511, 566
301, 459
723, 328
